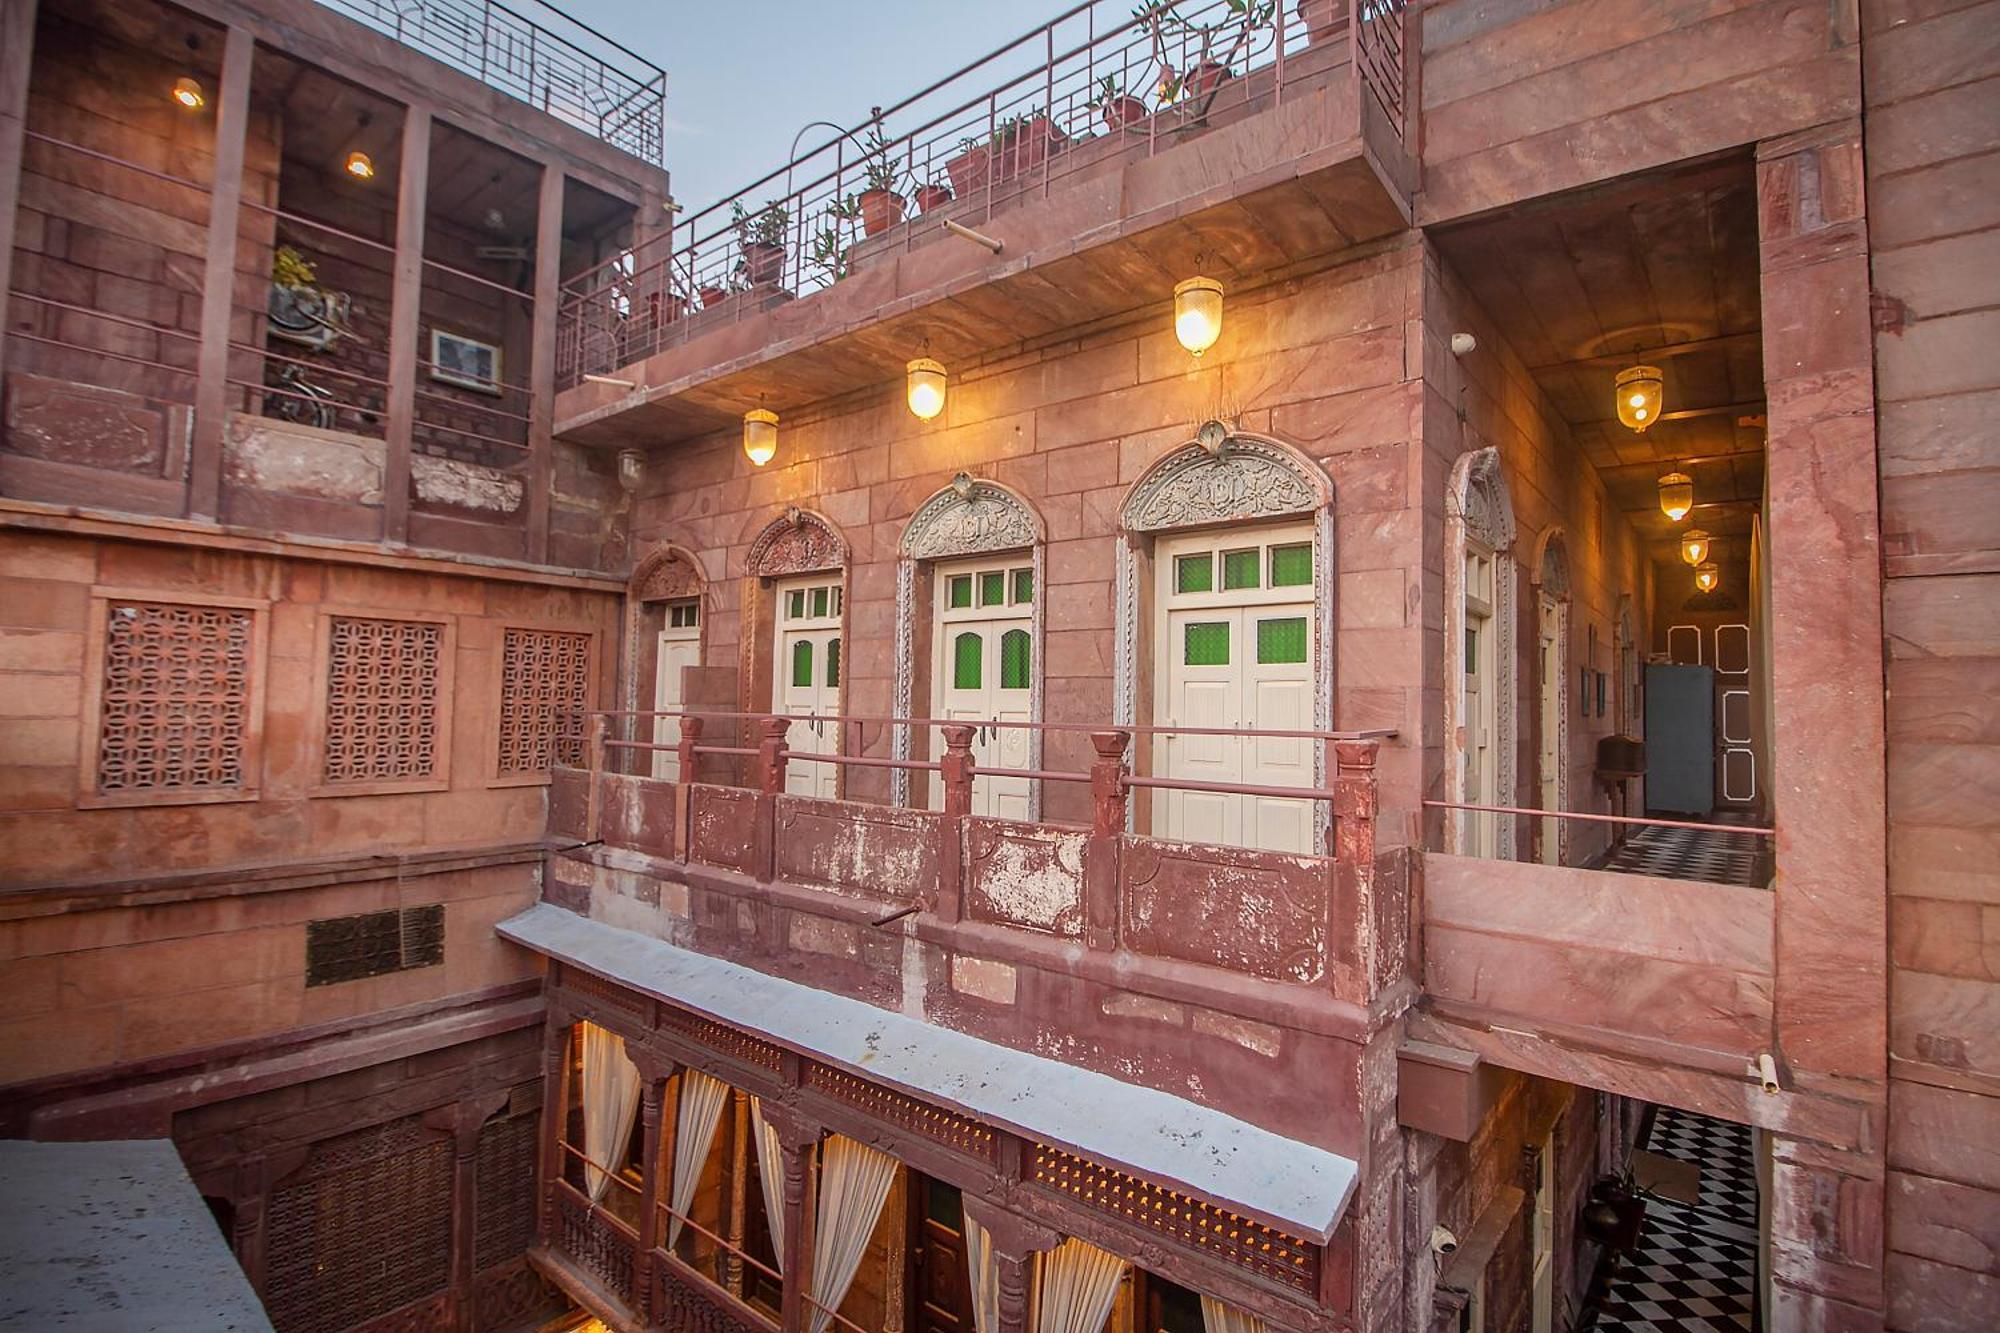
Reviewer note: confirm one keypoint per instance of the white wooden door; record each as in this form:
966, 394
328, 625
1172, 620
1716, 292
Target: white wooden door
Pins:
679, 647
806, 680
982, 654
1479, 693
1233, 650
1553, 663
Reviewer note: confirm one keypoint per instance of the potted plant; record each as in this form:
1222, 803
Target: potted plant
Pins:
1325, 20
712, 294
1215, 47
1022, 143
1116, 107
881, 206
761, 237
969, 170
933, 195
831, 244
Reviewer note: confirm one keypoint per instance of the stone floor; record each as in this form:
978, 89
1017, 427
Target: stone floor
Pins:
1696, 1266
1704, 854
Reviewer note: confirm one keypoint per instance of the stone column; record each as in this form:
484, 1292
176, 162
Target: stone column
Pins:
405, 299
651, 1094
1824, 557
218, 279
542, 361
798, 1137
1015, 1240
17, 47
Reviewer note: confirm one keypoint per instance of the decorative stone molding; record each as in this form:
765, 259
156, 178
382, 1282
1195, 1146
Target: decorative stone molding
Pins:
1551, 566
1478, 509
1221, 477
668, 573
970, 517
798, 541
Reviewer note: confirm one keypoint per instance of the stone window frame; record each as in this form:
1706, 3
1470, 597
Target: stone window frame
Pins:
966, 518
1281, 483
496, 683
316, 783
797, 542
1481, 474
653, 583
96, 644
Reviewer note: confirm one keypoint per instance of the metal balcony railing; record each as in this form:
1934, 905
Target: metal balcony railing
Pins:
1095, 86
539, 54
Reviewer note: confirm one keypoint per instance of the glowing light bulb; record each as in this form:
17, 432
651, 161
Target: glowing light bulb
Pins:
1694, 546
1198, 314
1676, 495
1639, 393
1707, 576
188, 93
926, 388
360, 166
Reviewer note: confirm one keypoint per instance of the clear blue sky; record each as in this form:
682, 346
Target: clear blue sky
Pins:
744, 75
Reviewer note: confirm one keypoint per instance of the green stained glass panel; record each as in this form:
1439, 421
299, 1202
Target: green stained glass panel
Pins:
1292, 566
959, 591
1239, 569
819, 602
1206, 644
833, 661
798, 603
802, 663
968, 652
993, 588
1281, 640
1194, 573
1014, 660
1024, 586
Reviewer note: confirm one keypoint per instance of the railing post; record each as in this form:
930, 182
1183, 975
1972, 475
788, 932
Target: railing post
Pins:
1354, 801
650, 1098
1107, 783
593, 809
684, 748
1351, 926
555, 1068
771, 754
1101, 862
957, 771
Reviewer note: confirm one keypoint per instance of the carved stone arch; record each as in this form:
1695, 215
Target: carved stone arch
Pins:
1220, 477
1225, 477
1478, 509
798, 541
668, 573
1551, 563
971, 516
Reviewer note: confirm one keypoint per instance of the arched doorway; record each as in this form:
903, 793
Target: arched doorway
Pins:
1479, 606
666, 621
796, 600
1225, 619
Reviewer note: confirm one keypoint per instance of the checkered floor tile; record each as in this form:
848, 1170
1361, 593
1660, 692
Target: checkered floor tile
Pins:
1685, 853
1696, 1267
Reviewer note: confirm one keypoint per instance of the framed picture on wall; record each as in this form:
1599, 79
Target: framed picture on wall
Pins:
1583, 692
465, 362
1600, 693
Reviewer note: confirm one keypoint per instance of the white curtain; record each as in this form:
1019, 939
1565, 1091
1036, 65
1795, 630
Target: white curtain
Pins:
854, 1182
1219, 1318
1079, 1287
701, 1101
771, 1175
985, 1273
610, 1104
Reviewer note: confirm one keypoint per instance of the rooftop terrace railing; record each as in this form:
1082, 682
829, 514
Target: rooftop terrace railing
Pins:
1096, 85
539, 54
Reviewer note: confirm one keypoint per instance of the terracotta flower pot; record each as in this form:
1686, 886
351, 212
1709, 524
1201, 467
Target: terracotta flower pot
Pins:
880, 210
1122, 111
1206, 77
1325, 21
712, 296
1031, 143
931, 198
763, 262
969, 170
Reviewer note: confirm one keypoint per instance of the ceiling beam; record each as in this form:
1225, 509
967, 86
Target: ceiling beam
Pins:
1665, 352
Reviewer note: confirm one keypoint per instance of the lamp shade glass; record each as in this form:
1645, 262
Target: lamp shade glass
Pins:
1640, 390
760, 436
926, 387
1676, 495
1706, 576
1198, 314
360, 166
188, 93
1694, 546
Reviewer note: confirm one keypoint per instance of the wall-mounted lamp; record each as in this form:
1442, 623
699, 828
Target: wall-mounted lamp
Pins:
1198, 314
926, 387
1706, 576
631, 469
1694, 546
188, 93
1640, 390
1676, 495
760, 436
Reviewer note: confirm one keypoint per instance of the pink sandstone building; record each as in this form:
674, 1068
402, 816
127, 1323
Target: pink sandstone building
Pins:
1316, 666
